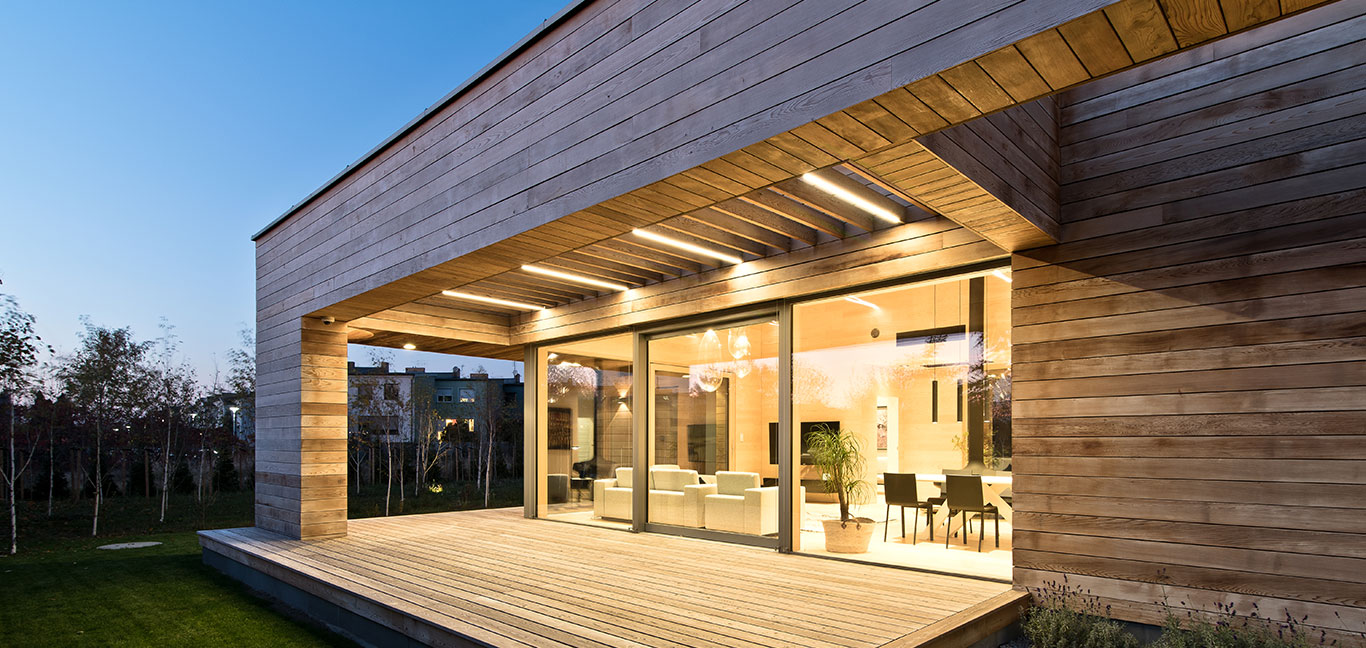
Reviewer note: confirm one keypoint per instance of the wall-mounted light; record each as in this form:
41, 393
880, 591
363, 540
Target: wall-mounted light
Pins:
568, 276
409, 346
1002, 275
684, 245
852, 198
491, 300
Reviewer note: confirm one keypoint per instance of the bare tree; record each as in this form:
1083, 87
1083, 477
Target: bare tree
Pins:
19, 348
175, 388
106, 378
491, 412
428, 428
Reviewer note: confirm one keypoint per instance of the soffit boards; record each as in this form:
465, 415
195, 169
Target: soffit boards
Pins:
753, 202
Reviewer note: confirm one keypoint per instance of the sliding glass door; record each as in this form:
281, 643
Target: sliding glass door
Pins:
713, 430
585, 431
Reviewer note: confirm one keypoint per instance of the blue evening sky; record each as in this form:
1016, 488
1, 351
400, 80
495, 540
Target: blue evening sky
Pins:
143, 143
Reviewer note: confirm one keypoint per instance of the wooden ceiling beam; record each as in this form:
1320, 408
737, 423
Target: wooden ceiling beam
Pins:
801, 191
602, 268
760, 217
615, 250
713, 235
741, 228
493, 287
799, 212
600, 273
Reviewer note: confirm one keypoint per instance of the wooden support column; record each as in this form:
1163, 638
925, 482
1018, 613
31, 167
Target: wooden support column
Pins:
301, 433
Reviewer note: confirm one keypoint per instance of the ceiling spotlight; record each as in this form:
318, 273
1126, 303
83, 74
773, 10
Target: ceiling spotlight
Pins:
409, 346
567, 276
684, 245
491, 300
1002, 275
852, 198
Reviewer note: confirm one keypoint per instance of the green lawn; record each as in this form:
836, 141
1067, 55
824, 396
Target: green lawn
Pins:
67, 593
60, 591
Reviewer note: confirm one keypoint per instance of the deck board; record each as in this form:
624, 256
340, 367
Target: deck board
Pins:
496, 578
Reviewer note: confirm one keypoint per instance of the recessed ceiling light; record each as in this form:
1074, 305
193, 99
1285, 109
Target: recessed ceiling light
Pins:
852, 198
684, 245
567, 276
1001, 274
491, 300
409, 346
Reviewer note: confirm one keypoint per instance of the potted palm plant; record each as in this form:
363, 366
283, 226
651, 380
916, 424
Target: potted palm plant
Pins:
837, 453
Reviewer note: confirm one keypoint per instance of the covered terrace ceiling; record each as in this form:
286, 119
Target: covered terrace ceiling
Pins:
898, 151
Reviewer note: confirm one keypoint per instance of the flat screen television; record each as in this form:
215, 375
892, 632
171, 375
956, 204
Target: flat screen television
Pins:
806, 427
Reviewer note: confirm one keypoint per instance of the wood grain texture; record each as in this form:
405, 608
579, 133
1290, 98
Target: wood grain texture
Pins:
683, 117
301, 456
1188, 376
497, 578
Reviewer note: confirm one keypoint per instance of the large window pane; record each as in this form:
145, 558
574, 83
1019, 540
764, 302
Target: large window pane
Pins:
713, 431
919, 377
585, 407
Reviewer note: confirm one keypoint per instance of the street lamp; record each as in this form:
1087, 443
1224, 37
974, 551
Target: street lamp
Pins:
234, 409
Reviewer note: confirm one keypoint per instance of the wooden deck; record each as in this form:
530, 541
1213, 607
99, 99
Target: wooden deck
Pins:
496, 578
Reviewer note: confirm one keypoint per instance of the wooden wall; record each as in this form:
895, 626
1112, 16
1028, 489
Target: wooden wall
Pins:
301, 436
619, 95
1190, 362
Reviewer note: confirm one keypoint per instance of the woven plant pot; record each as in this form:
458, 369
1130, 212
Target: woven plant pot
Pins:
849, 537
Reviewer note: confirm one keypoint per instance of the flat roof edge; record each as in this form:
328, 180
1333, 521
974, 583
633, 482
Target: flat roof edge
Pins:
520, 46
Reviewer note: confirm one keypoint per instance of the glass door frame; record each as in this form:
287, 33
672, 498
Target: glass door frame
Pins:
642, 440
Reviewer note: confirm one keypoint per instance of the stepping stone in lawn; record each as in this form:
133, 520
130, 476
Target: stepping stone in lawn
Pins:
128, 545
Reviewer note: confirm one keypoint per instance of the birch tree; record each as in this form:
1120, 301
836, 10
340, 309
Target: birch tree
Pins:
106, 378
176, 388
19, 348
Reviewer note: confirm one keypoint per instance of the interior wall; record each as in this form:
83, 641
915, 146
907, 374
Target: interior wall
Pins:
1190, 363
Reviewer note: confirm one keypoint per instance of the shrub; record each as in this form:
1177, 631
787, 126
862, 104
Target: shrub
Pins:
1228, 630
1063, 617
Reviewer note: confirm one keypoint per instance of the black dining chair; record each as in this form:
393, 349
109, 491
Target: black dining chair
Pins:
900, 491
965, 496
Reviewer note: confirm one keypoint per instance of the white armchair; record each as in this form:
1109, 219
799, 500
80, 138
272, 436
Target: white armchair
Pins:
740, 505
612, 496
676, 496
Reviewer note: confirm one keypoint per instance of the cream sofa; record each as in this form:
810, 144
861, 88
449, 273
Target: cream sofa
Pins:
675, 496
740, 505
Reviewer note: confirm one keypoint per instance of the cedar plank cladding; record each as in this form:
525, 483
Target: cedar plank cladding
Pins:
1190, 363
301, 438
996, 175
621, 95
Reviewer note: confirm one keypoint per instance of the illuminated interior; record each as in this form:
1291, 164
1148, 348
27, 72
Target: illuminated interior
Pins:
918, 374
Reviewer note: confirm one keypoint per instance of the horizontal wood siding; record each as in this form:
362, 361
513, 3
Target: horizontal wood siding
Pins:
621, 95
1190, 362
301, 435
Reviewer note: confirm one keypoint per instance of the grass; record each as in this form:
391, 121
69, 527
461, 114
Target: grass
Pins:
60, 591
67, 593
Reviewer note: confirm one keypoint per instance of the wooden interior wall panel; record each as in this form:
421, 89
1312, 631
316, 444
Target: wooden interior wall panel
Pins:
1189, 363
